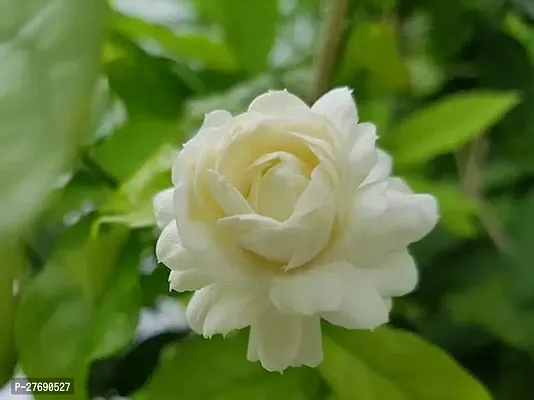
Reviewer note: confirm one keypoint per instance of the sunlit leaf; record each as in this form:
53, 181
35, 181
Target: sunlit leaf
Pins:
447, 124
199, 48
391, 364
50, 58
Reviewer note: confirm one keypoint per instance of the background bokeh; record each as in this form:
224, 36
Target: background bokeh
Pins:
94, 103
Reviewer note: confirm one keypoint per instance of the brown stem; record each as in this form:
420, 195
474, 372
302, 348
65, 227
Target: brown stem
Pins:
326, 55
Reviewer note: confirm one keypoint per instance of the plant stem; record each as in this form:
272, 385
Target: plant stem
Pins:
326, 55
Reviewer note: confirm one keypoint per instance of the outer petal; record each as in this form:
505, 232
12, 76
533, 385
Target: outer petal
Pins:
362, 306
277, 101
338, 106
382, 169
208, 133
187, 280
222, 308
396, 275
280, 341
163, 208
363, 155
310, 292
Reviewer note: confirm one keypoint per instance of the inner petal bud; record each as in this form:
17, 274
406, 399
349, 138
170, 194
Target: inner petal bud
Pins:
276, 188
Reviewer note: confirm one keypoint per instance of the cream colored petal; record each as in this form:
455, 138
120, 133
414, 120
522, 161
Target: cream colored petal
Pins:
207, 136
382, 169
163, 208
277, 101
313, 291
311, 347
275, 340
363, 155
362, 306
188, 280
216, 119
227, 196
219, 309
338, 106
169, 249
278, 190
396, 275
295, 241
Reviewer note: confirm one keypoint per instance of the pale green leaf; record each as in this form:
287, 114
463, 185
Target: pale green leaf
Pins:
209, 53
390, 364
50, 57
447, 124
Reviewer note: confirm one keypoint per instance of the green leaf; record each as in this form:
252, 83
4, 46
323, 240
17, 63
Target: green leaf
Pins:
53, 328
131, 204
390, 364
13, 262
131, 146
50, 53
217, 369
190, 47
447, 124
116, 318
249, 28
372, 47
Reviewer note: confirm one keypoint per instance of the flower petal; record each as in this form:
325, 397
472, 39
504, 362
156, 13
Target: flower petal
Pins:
396, 275
169, 249
163, 208
220, 308
311, 346
216, 119
277, 101
188, 280
275, 340
338, 106
381, 170
310, 292
227, 196
362, 306
363, 155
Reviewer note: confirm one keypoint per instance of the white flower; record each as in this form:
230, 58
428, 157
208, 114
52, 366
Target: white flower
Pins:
285, 215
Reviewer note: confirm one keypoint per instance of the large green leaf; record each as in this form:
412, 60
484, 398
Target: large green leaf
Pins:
218, 369
447, 124
116, 318
54, 323
390, 364
50, 57
12, 263
249, 28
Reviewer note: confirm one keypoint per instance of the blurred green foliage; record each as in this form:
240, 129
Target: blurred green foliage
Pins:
94, 103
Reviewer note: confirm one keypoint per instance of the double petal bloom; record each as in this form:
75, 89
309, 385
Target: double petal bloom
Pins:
284, 215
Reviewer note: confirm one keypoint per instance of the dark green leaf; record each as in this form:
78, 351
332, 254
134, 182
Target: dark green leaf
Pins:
50, 52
